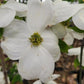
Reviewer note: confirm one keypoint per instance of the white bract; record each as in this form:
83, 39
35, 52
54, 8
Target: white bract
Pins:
64, 10
51, 81
64, 33
78, 18
60, 30
46, 12
71, 35
8, 12
76, 51
2, 80
67, 34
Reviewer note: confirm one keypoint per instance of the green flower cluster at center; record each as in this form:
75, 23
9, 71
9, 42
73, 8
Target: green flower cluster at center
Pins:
36, 39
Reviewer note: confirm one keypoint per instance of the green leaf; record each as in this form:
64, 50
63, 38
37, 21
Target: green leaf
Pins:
1, 32
76, 63
77, 29
16, 79
12, 72
69, 0
81, 1
63, 46
20, 18
4, 1
13, 75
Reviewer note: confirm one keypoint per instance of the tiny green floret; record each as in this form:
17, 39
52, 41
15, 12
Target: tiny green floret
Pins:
36, 39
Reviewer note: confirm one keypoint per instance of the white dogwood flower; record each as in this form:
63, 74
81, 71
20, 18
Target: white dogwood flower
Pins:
66, 34
8, 11
64, 10
37, 50
51, 81
76, 51
36, 47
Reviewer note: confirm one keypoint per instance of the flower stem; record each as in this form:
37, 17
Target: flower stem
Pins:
81, 54
3, 66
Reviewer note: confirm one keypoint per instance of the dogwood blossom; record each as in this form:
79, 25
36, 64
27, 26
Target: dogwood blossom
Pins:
64, 10
64, 33
8, 11
36, 47
36, 51
76, 51
53, 77
67, 34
